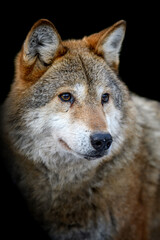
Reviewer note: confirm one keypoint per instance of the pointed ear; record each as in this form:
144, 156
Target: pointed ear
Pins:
108, 43
42, 43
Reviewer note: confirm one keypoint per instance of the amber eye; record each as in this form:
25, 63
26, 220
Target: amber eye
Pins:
66, 97
105, 98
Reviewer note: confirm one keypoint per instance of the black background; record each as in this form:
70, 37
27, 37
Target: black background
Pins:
139, 67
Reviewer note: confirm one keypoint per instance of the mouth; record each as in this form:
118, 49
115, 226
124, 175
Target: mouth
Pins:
92, 156
65, 145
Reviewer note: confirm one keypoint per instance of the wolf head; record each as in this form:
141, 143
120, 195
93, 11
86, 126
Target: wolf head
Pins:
66, 98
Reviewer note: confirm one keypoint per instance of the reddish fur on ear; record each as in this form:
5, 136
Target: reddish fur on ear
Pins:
42, 45
29, 73
93, 39
107, 43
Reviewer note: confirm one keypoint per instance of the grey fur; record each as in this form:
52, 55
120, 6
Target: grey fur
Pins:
112, 197
43, 43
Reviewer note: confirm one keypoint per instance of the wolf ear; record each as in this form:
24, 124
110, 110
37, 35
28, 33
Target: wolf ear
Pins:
42, 43
108, 43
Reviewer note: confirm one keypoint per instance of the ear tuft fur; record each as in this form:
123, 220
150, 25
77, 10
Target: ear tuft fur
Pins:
42, 42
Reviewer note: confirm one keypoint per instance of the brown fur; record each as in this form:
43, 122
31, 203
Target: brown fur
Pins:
116, 197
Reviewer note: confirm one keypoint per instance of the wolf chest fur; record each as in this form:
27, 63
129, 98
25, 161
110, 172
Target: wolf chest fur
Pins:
83, 150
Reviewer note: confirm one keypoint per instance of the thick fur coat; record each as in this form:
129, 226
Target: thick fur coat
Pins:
83, 150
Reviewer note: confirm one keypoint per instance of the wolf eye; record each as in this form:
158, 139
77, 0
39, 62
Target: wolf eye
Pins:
66, 97
105, 98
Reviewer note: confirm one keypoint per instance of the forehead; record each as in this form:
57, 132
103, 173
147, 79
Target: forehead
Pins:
81, 70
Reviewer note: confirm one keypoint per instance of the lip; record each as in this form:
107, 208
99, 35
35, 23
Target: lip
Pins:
64, 144
92, 156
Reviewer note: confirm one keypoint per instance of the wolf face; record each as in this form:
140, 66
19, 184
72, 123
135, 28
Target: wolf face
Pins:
82, 149
68, 98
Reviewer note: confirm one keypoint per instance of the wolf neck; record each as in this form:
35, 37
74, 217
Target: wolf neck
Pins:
72, 171
65, 174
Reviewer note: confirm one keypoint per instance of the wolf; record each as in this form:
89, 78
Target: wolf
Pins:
83, 149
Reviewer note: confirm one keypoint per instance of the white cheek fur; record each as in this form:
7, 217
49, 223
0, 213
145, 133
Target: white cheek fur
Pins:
114, 127
47, 129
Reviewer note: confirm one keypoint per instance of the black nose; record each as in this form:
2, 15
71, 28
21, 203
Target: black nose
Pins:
101, 141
